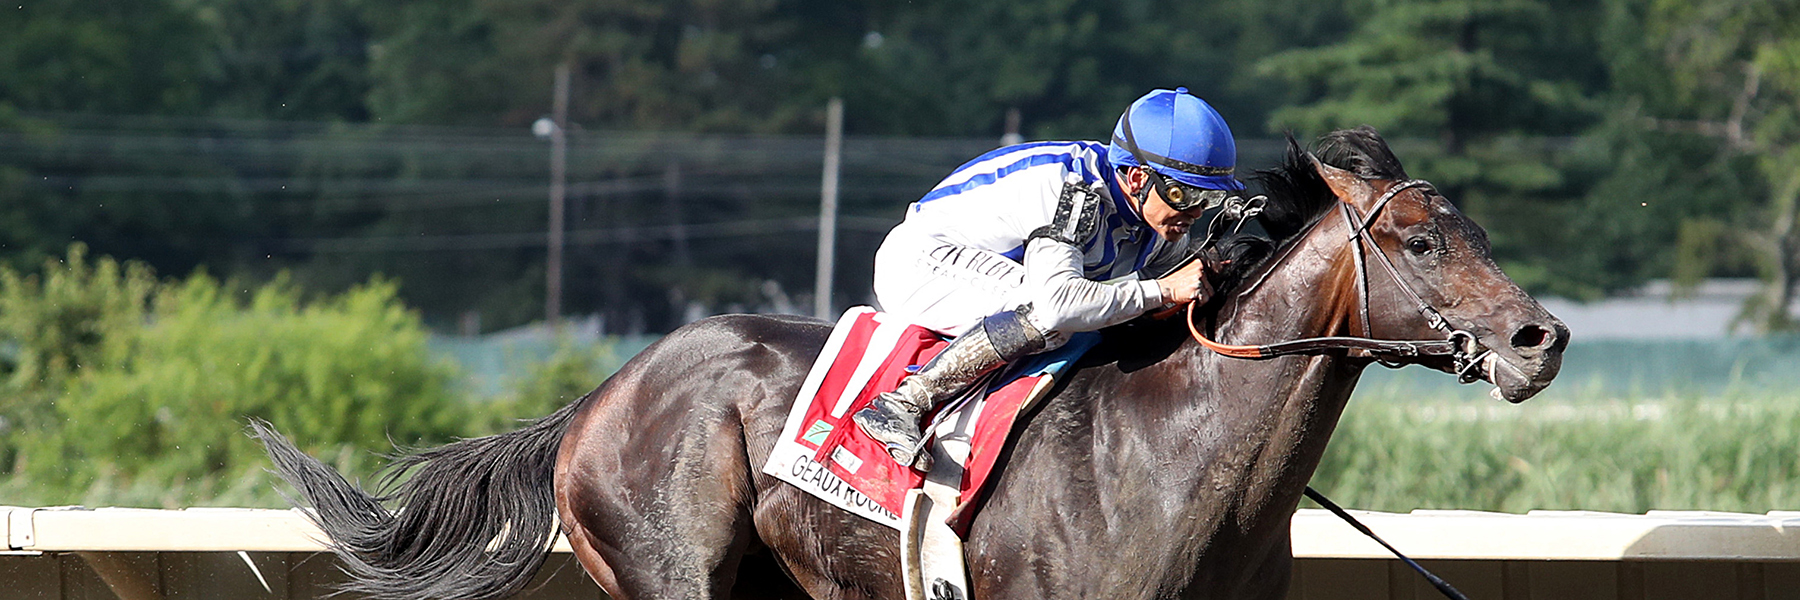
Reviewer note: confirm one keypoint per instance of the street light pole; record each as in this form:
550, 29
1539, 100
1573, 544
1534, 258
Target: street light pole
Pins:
559, 159
828, 208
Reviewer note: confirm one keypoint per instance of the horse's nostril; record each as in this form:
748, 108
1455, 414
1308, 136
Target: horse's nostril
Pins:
1531, 336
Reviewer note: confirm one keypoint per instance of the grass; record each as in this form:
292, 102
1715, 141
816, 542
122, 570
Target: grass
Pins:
1737, 451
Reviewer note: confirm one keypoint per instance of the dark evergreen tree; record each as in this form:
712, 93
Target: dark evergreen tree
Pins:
1491, 94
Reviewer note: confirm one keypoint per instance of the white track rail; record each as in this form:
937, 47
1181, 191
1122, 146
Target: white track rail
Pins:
1424, 534
75, 529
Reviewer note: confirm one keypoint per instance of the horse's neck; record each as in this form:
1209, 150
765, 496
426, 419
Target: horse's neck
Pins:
1195, 462
1311, 292
1257, 429
1294, 402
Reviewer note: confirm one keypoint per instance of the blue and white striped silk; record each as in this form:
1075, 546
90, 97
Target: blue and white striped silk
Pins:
995, 201
990, 207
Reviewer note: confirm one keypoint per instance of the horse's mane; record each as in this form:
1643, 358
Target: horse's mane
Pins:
1360, 151
1298, 196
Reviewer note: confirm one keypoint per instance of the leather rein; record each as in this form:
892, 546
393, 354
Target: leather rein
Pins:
1458, 344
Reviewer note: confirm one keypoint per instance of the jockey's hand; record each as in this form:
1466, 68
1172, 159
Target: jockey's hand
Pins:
1185, 285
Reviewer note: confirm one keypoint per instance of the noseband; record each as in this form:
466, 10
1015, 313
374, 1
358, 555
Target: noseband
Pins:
1458, 344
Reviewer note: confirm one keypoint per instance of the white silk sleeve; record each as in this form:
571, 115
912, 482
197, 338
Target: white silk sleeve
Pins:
1063, 302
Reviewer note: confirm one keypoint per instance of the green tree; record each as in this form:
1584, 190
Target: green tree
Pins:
1459, 71
106, 56
957, 67
278, 59
1481, 98
912, 68
695, 65
1724, 79
289, 59
84, 87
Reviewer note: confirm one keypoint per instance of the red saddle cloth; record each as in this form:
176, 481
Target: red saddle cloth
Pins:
822, 451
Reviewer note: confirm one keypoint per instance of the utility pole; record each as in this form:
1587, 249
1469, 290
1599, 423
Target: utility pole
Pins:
559, 162
828, 208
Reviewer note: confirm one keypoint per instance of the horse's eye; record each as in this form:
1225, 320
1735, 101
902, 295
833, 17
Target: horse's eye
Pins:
1419, 245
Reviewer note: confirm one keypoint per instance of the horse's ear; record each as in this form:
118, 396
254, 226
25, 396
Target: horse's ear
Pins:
1346, 185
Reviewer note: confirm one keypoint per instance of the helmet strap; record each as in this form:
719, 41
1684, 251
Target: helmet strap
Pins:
1142, 195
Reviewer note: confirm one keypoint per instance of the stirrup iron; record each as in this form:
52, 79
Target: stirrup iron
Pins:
917, 457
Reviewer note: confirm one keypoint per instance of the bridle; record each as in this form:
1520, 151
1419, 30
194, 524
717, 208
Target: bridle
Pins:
1460, 345
1466, 353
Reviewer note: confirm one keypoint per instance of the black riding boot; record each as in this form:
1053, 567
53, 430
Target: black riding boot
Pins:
893, 418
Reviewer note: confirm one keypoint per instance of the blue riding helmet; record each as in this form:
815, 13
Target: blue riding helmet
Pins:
1181, 136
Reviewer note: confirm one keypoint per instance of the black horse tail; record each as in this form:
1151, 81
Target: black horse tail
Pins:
475, 518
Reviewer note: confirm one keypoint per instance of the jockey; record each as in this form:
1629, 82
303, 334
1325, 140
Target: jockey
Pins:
1029, 243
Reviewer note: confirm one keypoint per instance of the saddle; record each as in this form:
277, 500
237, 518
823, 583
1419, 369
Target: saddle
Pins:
824, 453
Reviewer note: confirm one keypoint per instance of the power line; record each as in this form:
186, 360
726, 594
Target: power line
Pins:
577, 237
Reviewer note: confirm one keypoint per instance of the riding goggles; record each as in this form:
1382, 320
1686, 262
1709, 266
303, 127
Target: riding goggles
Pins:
1183, 197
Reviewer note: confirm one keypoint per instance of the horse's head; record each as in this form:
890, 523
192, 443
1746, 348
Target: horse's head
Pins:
1444, 258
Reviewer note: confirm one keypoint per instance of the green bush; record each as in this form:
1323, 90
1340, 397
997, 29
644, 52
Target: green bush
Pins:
148, 401
569, 372
55, 324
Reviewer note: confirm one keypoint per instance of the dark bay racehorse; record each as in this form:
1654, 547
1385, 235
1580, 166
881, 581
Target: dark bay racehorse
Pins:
1159, 470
